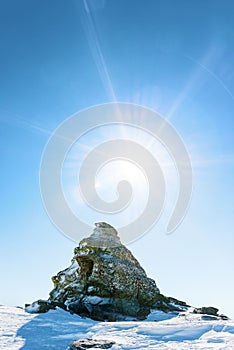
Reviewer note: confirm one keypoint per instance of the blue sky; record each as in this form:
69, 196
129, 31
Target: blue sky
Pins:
58, 57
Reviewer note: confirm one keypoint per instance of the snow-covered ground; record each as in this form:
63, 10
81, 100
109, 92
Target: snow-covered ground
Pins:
57, 329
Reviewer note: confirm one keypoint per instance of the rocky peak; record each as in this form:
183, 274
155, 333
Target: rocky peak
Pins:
106, 282
103, 236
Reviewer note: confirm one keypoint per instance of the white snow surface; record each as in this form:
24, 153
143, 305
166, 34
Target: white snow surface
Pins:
57, 329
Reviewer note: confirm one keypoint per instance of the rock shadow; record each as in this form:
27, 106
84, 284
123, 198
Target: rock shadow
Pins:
53, 330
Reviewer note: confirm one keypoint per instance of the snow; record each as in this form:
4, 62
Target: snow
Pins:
57, 329
93, 300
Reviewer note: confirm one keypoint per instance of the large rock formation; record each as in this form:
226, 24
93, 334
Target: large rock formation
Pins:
105, 282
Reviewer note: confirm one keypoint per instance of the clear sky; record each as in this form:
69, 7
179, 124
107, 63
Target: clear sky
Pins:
177, 57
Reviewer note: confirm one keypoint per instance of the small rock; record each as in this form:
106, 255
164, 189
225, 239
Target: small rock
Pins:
42, 306
224, 317
206, 310
88, 343
39, 306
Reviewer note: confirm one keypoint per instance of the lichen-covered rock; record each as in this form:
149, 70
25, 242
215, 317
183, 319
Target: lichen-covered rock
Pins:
105, 281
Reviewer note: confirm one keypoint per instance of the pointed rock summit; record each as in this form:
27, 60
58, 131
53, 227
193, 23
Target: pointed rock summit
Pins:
105, 282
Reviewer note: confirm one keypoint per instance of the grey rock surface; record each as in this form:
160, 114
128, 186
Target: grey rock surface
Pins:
106, 282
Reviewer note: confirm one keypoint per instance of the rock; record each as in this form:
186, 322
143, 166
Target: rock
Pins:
210, 313
39, 306
168, 304
224, 317
42, 306
210, 310
106, 282
88, 343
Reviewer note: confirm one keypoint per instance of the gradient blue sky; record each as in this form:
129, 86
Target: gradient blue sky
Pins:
58, 57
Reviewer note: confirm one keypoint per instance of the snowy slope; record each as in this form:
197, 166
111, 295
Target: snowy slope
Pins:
57, 329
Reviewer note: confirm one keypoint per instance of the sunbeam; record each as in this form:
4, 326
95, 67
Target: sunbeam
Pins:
16, 120
214, 76
89, 26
